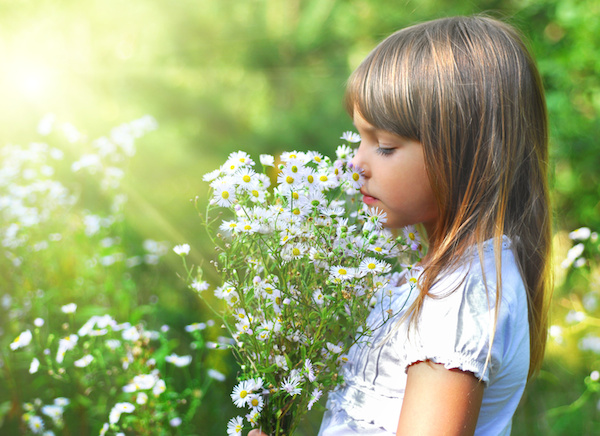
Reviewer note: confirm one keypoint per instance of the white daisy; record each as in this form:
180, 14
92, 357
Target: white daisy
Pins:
370, 265
350, 136
341, 272
235, 426
267, 160
22, 340
291, 385
314, 397
224, 195
241, 393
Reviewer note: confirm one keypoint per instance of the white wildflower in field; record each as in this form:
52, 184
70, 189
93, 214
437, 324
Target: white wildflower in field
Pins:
34, 366
141, 398
22, 340
216, 375
175, 422
118, 409
159, 388
179, 360
182, 250
36, 424
84, 361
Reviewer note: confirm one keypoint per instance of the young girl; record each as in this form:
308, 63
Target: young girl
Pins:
454, 136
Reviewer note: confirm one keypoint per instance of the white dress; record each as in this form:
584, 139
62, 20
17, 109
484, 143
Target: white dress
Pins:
454, 330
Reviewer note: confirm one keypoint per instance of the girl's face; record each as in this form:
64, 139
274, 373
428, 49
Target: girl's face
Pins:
395, 177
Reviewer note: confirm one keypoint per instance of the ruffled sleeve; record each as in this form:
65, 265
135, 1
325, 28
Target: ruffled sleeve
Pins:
455, 326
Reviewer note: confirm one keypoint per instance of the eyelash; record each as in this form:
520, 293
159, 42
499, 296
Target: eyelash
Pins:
385, 151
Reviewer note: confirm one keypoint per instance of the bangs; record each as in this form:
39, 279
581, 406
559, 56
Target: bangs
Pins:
386, 86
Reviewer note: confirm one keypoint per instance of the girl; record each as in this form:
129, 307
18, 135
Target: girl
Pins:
454, 136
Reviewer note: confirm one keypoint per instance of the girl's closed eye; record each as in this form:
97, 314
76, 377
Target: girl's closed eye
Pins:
385, 151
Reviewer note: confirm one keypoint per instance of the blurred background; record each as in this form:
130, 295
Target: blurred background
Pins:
262, 76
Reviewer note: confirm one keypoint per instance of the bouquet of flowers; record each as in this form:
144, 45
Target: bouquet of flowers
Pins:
302, 265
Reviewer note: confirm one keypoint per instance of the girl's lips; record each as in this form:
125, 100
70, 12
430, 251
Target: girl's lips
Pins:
367, 199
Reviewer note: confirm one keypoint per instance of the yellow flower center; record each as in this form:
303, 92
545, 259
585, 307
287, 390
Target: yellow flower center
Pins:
296, 211
246, 178
371, 266
247, 227
294, 169
323, 178
378, 249
296, 252
225, 195
243, 394
411, 236
355, 177
255, 193
295, 195
254, 402
342, 272
289, 179
310, 178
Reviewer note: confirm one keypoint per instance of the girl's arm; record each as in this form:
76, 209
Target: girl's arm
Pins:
439, 401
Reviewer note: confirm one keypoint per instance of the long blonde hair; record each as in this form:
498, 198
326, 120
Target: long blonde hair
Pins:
468, 90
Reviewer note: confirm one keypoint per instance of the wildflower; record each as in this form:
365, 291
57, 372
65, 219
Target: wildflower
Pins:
179, 361
355, 177
53, 412
240, 158
310, 373
62, 401
182, 250
370, 265
375, 219
580, 234
256, 402
350, 137
22, 340
38, 322
64, 345
159, 388
216, 375
104, 429
267, 160
241, 393
318, 297
199, 285
195, 327
209, 177
84, 361
35, 364
316, 394
247, 179
141, 398
235, 426
335, 349
341, 273
224, 195
291, 385
118, 409
412, 237
131, 334
175, 422
344, 152
36, 424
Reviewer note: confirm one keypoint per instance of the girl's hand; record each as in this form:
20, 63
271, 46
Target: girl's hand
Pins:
256, 432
